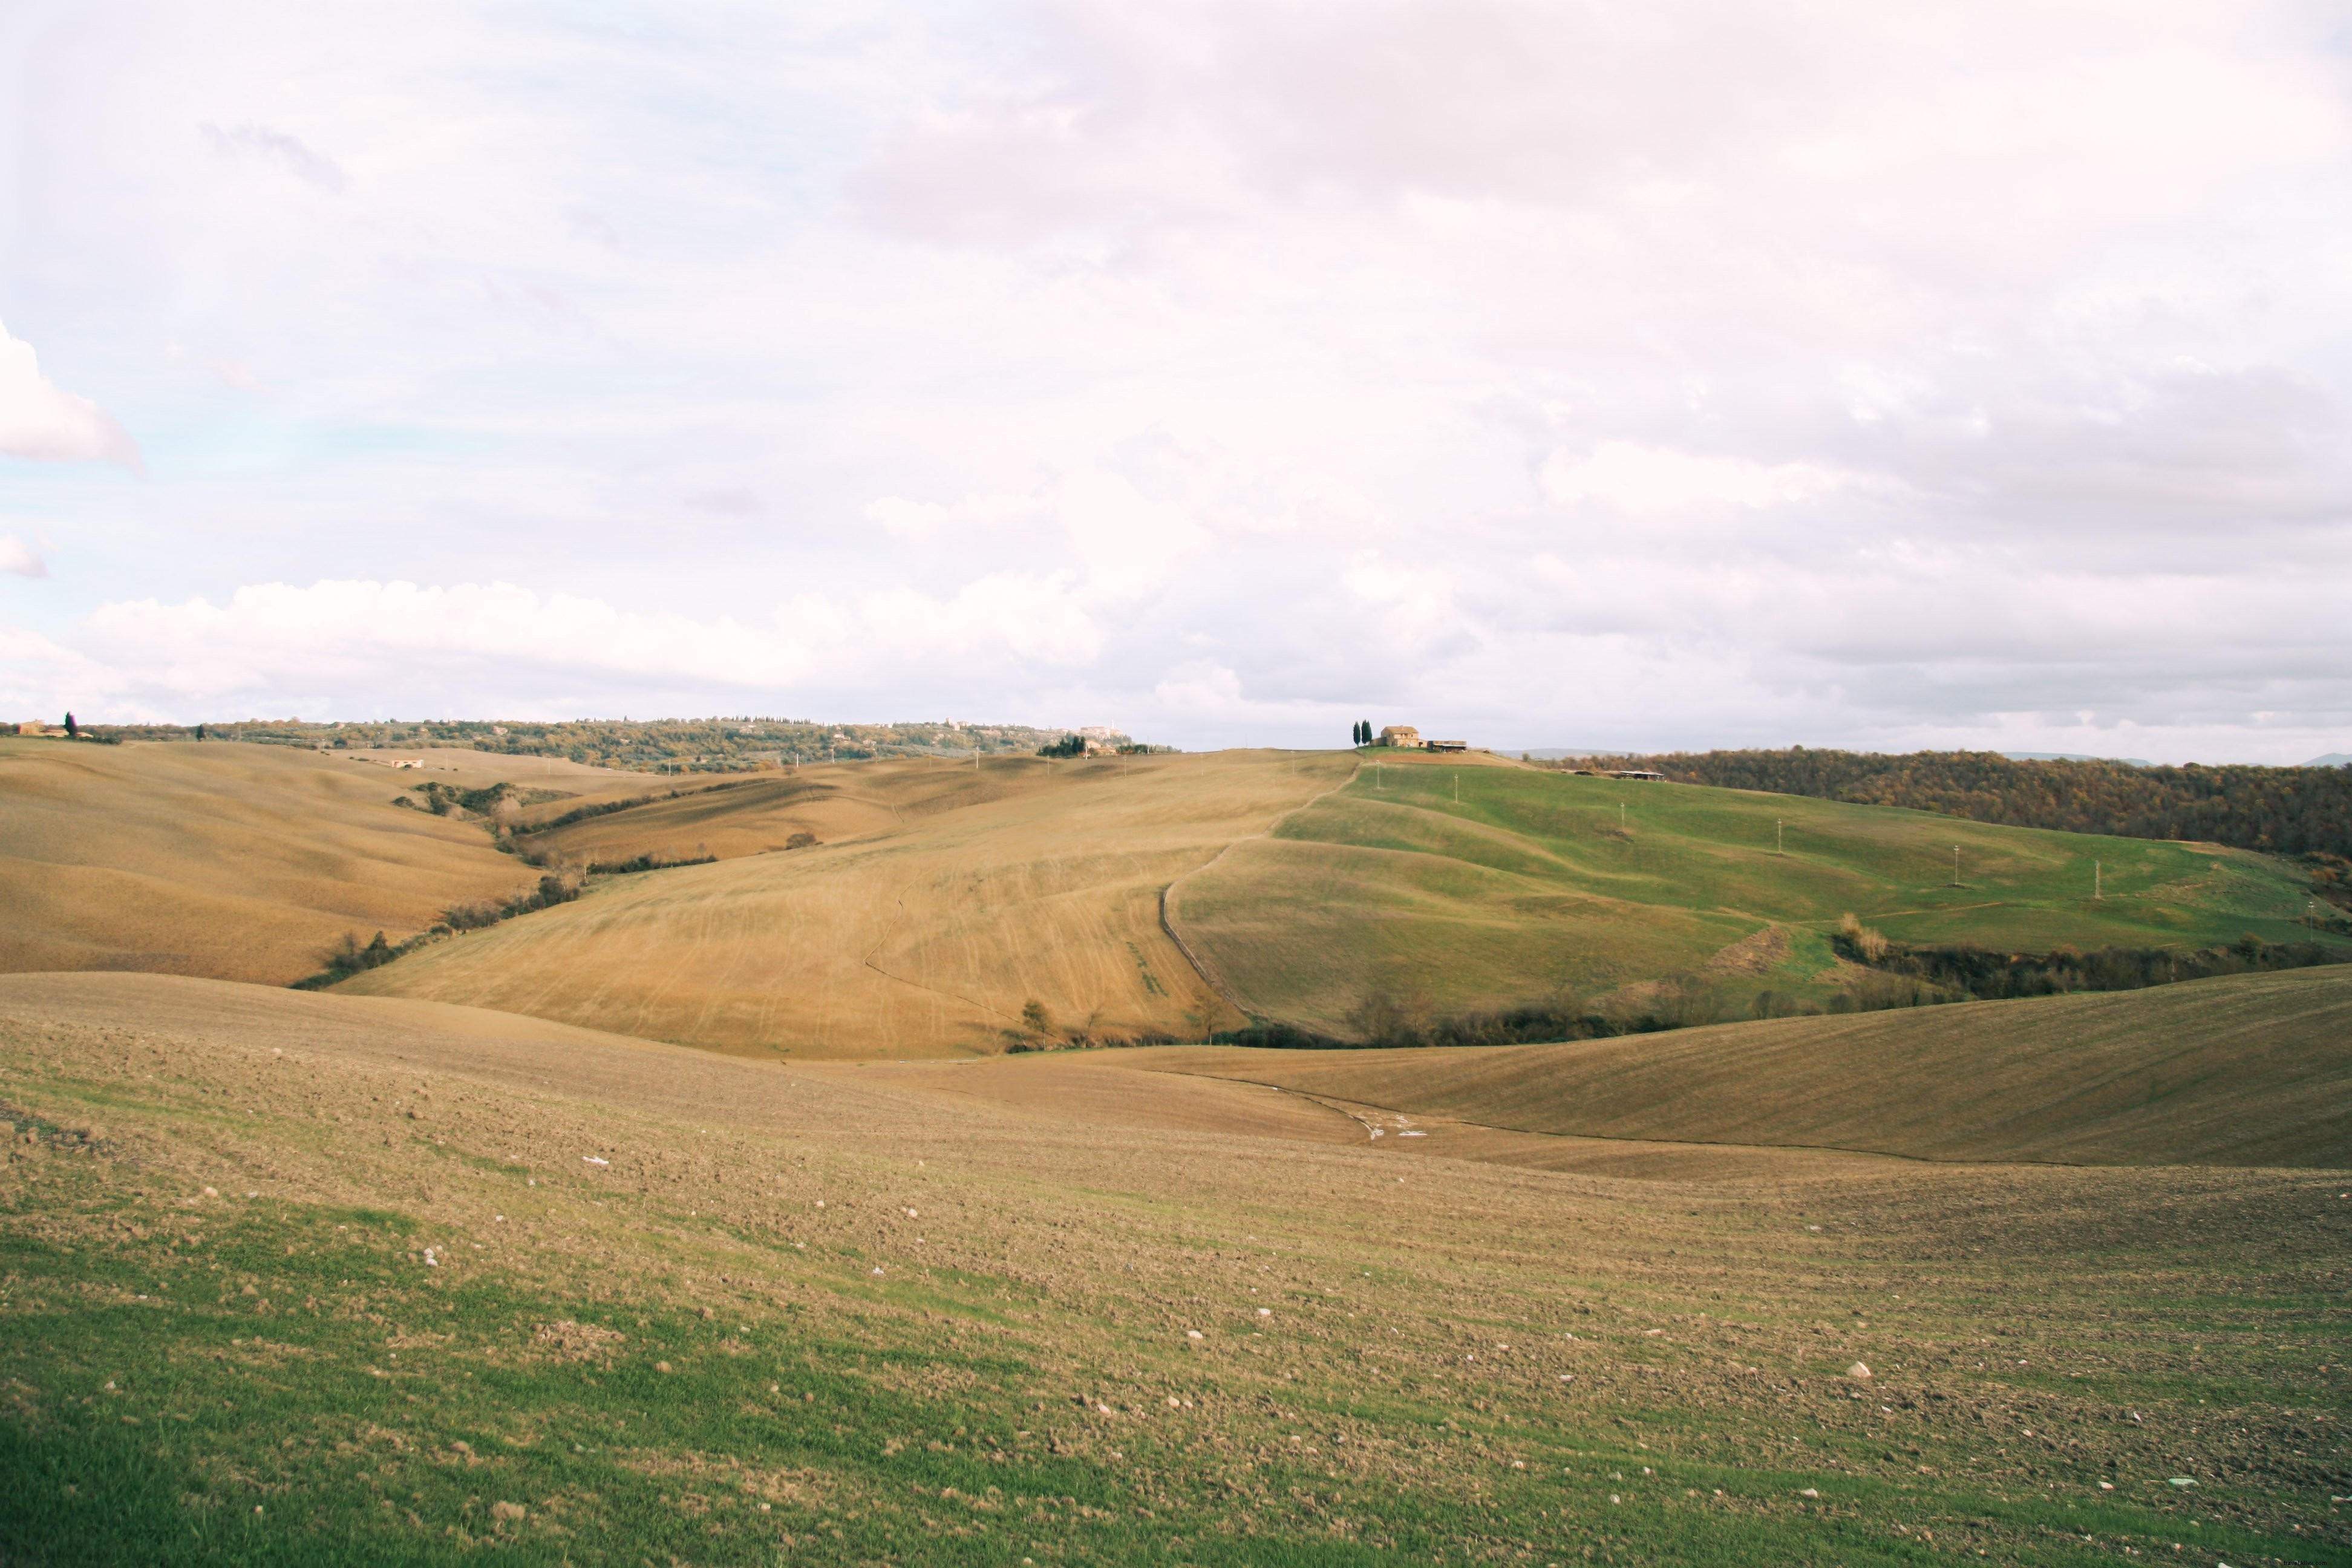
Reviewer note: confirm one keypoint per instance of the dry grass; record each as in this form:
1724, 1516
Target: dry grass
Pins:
979, 1347
923, 937
233, 861
2247, 1070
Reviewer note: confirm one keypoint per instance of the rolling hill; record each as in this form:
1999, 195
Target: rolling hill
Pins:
1448, 888
239, 862
940, 899
952, 898
2252, 1069
298, 1279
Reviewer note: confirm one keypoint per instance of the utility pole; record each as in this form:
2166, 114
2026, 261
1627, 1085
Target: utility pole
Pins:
1778, 846
1621, 817
1955, 865
2095, 890
1457, 789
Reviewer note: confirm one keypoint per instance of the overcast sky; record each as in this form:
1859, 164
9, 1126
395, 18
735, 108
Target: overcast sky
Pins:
1652, 374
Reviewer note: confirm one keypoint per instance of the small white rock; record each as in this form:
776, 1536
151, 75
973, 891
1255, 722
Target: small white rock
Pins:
1862, 1373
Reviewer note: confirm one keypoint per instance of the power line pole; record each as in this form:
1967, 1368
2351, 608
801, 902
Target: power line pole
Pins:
2096, 892
1955, 865
1778, 845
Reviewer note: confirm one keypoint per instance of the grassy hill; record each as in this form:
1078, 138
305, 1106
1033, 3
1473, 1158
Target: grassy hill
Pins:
2246, 1070
233, 861
940, 900
1448, 888
317, 1278
943, 900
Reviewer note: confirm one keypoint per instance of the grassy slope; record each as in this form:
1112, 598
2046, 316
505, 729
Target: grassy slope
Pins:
2247, 1070
1528, 886
233, 861
221, 1343
923, 937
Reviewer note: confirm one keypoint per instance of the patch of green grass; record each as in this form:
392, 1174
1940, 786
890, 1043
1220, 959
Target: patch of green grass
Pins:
301, 1390
1462, 887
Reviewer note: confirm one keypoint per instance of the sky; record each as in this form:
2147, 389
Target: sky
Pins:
1650, 375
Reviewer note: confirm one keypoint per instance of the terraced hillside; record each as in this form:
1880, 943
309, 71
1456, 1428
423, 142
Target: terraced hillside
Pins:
240, 862
955, 899
1447, 889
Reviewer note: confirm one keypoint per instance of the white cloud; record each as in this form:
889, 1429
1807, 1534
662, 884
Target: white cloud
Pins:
1680, 373
41, 419
277, 147
277, 637
21, 558
1649, 479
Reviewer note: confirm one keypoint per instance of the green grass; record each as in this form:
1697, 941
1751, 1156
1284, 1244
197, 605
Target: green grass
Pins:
1531, 884
276, 1427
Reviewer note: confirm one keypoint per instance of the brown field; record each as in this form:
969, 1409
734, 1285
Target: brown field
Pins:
946, 1312
947, 900
2246, 1070
239, 862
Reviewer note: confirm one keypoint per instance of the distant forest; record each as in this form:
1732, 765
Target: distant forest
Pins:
654, 745
2282, 811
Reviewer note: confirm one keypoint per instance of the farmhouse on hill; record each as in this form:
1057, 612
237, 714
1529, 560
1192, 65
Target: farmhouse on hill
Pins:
1406, 738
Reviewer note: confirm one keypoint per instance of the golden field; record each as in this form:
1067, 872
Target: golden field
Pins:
239, 862
943, 900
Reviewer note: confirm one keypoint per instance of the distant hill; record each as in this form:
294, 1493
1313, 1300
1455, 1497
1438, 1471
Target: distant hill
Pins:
2332, 760
921, 905
941, 900
1436, 891
2284, 811
654, 745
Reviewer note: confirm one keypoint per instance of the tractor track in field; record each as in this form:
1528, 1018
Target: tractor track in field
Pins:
1209, 976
